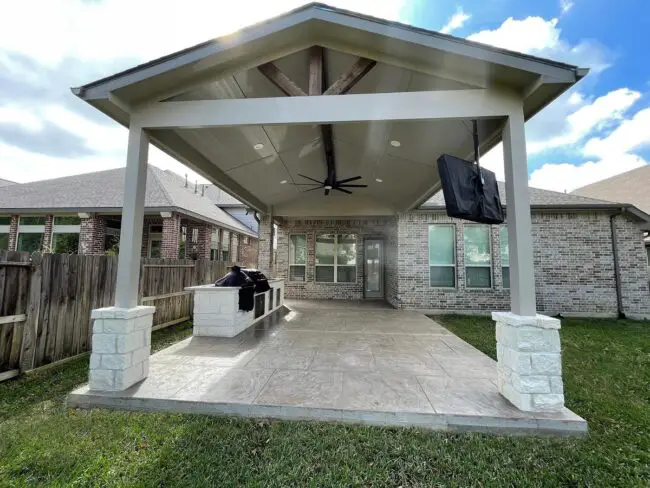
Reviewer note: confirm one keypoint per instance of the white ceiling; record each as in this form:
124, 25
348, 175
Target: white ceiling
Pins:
361, 149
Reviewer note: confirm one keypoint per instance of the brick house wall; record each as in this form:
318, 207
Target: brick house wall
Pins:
92, 234
248, 252
205, 241
171, 236
309, 289
13, 232
574, 264
47, 233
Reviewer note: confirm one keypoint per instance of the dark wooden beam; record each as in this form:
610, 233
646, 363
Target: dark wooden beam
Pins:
347, 80
282, 81
315, 70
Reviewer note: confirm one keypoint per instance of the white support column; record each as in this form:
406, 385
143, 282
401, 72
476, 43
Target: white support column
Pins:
128, 265
529, 357
520, 241
121, 341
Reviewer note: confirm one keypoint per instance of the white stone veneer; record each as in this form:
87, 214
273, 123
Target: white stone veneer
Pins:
121, 346
529, 361
217, 314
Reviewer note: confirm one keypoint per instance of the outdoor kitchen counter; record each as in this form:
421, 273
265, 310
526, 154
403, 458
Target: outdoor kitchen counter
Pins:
216, 308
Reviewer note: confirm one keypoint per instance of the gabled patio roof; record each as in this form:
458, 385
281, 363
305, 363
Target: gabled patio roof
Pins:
400, 60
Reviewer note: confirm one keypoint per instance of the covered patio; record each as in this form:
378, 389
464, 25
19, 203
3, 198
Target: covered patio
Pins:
326, 115
335, 361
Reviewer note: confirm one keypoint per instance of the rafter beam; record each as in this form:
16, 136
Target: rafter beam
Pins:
282, 81
448, 104
315, 70
347, 80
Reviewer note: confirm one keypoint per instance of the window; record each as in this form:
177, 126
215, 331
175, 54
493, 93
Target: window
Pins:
505, 256
297, 257
4, 233
442, 256
477, 256
336, 258
65, 234
155, 241
30, 234
225, 246
214, 245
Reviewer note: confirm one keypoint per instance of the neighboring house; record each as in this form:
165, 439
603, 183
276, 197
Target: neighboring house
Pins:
233, 206
82, 214
6, 182
630, 187
425, 260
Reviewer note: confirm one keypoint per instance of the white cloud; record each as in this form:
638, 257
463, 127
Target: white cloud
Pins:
85, 32
541, 37
630, 135
587, 118
566, 5
141, 30
567, 177
456, 21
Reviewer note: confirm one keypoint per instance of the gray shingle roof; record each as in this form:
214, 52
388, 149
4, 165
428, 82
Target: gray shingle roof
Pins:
221, 198
105, 190
629, 187
4, 182
538, 198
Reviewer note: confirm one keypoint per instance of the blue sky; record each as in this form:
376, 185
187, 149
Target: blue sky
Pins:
598, 129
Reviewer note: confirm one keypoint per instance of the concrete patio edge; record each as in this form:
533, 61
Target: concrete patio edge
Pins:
543, 425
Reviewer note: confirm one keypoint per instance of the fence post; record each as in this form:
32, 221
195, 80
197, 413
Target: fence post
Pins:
33, 312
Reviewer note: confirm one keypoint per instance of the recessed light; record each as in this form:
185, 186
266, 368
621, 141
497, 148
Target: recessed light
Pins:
258, 146
283, 182
395, 143
379, 180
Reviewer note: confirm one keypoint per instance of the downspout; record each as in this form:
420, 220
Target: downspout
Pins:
617, 269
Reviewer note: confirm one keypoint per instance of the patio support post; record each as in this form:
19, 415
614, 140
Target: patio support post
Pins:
121, 341
529, 362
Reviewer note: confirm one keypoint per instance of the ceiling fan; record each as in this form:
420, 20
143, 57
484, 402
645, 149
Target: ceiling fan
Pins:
330, 183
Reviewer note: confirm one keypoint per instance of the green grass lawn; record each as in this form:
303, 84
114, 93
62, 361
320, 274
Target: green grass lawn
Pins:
607, 376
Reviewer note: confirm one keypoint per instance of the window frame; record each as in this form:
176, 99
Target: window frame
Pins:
154, 236
64, 229
4, 229
454, 263
292, 264
30, 229
501, 243
488, 266
335, 265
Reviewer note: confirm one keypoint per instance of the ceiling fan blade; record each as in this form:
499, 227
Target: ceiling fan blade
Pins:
315, 188
353, 186
354, 178
341, 189
312, 179
327, 192
306, 184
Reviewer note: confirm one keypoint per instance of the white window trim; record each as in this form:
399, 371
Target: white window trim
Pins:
4, 229
294, 264
154, 236
501, 256
454, 263
488, 266
335, 264
31, 229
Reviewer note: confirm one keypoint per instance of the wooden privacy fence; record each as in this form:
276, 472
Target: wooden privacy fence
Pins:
45, 301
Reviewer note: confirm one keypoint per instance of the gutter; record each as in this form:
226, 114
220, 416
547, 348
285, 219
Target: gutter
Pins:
617, 269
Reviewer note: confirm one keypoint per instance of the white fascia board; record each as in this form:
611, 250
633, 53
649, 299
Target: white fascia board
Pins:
412, 106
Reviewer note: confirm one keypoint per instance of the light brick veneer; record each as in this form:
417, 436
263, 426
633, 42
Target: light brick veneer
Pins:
529, 361
121, 346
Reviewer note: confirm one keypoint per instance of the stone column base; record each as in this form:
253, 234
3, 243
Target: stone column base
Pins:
529, 361
121, 347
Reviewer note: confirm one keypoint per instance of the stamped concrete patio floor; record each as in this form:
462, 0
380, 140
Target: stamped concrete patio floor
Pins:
346, 361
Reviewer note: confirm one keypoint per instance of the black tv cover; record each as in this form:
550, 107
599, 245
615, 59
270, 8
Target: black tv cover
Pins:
471, 192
